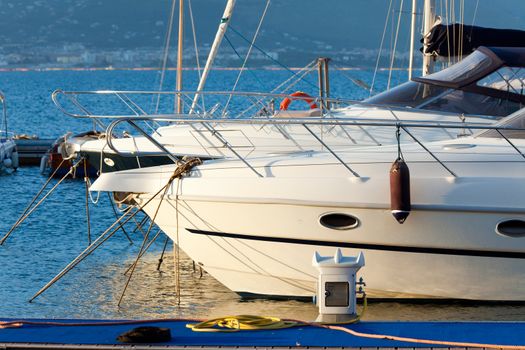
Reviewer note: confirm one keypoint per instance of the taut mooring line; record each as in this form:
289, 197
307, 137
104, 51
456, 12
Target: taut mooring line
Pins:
29, 210
93, 246
146, 236
184, 166
161, 259
88, 221
145, 249
116, 216
140, 224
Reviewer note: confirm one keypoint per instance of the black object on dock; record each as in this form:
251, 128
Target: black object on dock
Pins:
145, 335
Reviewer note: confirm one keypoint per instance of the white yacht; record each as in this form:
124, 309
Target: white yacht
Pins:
482, 88
254, 223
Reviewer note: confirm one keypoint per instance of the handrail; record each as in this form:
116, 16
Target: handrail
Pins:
317, 99
210, 122
136, 110
346, 121
308, 121
170, 155
56, 93
109, 141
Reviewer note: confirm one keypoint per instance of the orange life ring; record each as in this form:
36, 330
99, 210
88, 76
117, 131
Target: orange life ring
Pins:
305, 97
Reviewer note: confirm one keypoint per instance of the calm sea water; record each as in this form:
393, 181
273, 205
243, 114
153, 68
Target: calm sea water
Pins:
56, 232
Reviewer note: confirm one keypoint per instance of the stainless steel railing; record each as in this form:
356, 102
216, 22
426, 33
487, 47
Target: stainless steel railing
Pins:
308, 122
134, 112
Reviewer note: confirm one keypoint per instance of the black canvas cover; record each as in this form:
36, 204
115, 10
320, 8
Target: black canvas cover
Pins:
458, 39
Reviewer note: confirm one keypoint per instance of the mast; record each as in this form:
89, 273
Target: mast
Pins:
179, 56
324, 81
225, 21
429, 20
412, 39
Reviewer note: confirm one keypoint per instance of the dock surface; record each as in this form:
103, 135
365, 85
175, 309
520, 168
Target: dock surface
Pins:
98, 334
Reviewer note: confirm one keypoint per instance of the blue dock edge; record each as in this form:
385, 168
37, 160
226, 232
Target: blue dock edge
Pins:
102, 334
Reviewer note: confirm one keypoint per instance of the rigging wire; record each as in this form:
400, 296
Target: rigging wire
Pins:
380, 49
395, 45
474, 16
199, 72
263, 16
194, 32
290, 81
447, 22
166, 52
269, 56
259, 81
357, 82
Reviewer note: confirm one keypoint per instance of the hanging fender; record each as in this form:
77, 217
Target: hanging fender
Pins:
304, 97
400, 190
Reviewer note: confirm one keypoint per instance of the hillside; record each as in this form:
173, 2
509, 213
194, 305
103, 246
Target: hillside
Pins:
299, 26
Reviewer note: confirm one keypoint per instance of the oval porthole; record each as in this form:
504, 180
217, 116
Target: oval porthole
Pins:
511, 228
339, 221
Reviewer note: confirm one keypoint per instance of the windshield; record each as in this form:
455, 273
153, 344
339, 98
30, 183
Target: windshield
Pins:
431, 97
508, 79
516, 121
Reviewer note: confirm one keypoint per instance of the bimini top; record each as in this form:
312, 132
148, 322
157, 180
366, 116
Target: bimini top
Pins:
490, 81
474, 73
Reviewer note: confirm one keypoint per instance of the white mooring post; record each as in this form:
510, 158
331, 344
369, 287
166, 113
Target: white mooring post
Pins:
336, 286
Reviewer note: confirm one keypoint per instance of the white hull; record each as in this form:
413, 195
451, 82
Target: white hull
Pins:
258, 235
284, 268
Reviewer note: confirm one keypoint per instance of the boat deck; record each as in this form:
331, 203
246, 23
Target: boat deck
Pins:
98, 334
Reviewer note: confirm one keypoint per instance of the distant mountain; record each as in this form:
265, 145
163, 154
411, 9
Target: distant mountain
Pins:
303, 25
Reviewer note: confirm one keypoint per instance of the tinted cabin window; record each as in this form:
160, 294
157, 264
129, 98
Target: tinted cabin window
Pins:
338, 221
511, 228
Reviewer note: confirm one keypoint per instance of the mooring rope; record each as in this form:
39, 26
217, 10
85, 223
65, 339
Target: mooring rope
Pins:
177, 249
145, 249
183, 166
161, 259
116, 216
88, 220
33, 200
28, 212
109, 232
